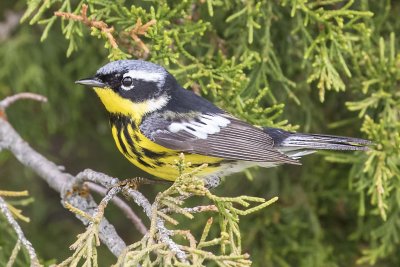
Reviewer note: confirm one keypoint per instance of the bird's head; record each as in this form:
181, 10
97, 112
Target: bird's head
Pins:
132, 87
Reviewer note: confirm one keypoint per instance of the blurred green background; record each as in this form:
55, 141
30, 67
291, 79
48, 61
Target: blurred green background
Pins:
327, 213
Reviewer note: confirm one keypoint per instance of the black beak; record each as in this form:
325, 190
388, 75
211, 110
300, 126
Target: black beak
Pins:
92, 82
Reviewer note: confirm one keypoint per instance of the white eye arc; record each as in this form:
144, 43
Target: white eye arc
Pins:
127, 83
148, 76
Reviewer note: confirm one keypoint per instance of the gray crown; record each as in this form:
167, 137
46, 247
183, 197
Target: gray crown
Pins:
122, 66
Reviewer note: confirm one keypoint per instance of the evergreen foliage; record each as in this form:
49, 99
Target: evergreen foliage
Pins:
330, 66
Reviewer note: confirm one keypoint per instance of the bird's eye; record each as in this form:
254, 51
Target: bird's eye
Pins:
127, 83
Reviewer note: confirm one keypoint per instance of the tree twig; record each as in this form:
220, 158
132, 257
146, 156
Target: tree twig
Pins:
199, 209
123, 206
10, 23
140, 29
59, 181
6, 102
101, 25
21, 237
14, 254
86, 245
108, 182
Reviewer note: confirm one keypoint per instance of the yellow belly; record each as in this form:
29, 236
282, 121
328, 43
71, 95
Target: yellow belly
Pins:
155, 159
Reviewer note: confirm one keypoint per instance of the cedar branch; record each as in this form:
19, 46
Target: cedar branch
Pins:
140, 29
21, 237
59, 181
98, 24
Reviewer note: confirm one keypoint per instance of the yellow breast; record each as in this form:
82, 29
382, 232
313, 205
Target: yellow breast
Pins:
155, 159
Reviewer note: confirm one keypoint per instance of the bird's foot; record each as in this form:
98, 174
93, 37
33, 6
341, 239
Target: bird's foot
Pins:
136, 182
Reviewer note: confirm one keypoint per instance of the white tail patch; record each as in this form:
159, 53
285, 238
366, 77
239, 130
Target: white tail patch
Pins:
210, 124
295, 152
238, 166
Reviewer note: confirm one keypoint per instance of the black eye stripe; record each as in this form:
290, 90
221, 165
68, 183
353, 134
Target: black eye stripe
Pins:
136, 89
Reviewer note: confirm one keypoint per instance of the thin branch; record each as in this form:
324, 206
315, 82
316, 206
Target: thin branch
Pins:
164, 234
199, 209
108, 182
10, 23
104, 202
123, 206
6, 102
21, 237
14, 254
89, 175
13, 193
85, 245
101, 25
140, 29
59, 181
188, 235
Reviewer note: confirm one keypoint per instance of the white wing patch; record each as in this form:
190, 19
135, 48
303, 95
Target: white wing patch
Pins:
210, 124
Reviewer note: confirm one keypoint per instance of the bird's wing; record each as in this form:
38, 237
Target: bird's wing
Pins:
216, 135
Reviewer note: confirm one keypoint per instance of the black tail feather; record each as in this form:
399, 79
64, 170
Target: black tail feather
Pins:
285, 139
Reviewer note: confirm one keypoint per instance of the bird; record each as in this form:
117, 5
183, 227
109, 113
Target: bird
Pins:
154, 120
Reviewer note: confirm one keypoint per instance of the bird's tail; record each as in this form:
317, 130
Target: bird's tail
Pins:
296, 145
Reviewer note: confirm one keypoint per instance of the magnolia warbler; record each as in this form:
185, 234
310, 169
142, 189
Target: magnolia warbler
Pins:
153, 119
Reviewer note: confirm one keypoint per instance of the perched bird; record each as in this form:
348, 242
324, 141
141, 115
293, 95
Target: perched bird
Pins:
153, 119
